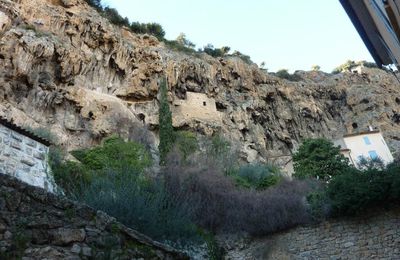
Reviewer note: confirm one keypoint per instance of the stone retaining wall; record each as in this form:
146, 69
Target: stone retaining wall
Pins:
24, 158
35, 224
372, 236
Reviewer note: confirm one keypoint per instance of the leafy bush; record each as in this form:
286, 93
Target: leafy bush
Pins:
319, 158
174, 45
243, 57
216, 52
110, 177
186, 143
142, 205
257, 176
182, 40
115, 153
149, 28
284, 74
354, 191
369, 163
315, 68
319, 203
115, 18
218, 151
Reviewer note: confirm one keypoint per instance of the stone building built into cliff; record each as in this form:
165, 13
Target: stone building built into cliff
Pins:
24, 155
196, 106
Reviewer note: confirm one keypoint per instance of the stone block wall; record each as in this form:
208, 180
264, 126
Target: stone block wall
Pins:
375, 235
24, 158
35, 224
196, 106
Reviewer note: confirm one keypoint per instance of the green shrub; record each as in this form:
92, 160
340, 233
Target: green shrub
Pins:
182, 40
284, 74
318, 158
257, 176
174, 45
96, 4
215, 252
315, 68
354, 191
149, 28
243, 57
319, 204
216, 52
187, 143
143, 205
393, 170
115, 18
347, 66
115, 153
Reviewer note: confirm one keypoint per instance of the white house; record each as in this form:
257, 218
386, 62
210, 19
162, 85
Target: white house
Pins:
368, 144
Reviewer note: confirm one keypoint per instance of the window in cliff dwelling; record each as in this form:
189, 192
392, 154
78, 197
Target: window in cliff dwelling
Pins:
204, 103
354, 125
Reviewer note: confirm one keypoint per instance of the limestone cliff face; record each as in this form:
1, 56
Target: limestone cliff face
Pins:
65, 67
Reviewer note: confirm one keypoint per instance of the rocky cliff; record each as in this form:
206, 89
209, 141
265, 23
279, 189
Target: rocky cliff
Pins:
67, 68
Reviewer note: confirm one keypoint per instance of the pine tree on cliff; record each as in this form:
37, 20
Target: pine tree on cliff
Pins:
167, 136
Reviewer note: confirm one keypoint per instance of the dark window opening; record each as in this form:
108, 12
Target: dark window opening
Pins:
204, 103
142, 118
354, 125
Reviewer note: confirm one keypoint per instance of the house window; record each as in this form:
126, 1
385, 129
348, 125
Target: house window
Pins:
366, 140
204, 103
373, 155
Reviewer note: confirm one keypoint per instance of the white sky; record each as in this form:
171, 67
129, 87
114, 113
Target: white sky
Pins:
289, 34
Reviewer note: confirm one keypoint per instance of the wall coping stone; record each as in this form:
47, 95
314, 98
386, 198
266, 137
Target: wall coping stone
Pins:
9, 124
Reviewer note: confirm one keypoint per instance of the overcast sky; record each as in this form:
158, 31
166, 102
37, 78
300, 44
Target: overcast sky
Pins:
290, 34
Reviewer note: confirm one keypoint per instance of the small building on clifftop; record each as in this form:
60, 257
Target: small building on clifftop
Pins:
23, 155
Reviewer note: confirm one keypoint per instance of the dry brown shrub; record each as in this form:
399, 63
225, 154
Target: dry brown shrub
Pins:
220, 206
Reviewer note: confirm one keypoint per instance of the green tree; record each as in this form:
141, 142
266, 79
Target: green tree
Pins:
156, 30
167, 136
316, 68
283, 74
319, 158
182, 40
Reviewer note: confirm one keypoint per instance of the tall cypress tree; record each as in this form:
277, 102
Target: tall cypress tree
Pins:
167, 136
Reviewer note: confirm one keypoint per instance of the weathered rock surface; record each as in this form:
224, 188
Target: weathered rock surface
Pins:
65, 67
35, 224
